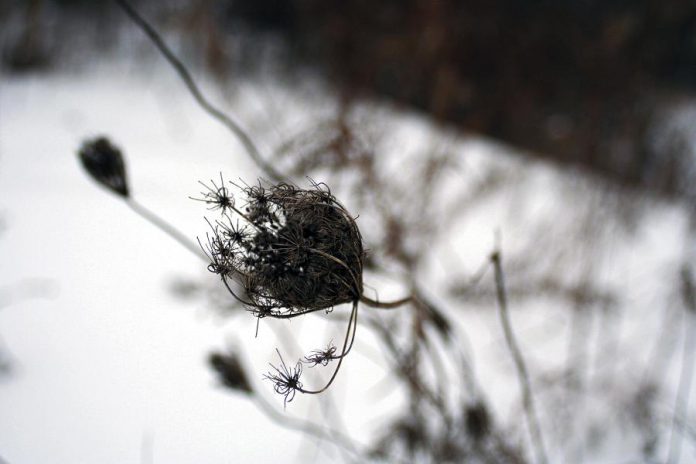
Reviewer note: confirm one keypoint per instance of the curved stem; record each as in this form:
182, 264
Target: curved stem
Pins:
165, 227
193, 88
681, 405
340, 263
523, 373
385, 304
306, 427
352, 326
236, 297
401, 368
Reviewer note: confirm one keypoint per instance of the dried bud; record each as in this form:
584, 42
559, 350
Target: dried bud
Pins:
104, 162
230, 371
477, 421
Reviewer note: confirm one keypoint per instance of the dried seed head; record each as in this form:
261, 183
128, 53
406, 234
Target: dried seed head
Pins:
218, 197
230, 371
323, 357
299, 252
286, 380
104, 162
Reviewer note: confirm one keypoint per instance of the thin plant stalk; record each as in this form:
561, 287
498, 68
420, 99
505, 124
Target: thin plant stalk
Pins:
195, 91
522, 371
385, 304
165, 227
311, 429
347, 346
681, 405
396, 353
308, 428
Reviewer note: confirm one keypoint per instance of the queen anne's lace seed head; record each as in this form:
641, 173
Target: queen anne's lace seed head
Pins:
297, 251
293, 251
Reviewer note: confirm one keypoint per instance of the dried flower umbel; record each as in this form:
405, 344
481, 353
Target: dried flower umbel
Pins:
293, 251
296, 251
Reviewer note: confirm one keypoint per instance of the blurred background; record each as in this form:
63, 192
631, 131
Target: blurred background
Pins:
563, 127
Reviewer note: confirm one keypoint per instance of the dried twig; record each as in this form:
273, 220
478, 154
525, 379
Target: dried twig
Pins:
687, 366
165, 227
195, 91
523, 373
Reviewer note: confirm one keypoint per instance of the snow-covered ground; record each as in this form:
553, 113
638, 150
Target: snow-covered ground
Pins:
110, 367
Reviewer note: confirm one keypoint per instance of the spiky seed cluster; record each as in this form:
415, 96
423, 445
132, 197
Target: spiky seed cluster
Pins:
286, 380
104, 162
296, 251
323, 357
217, 197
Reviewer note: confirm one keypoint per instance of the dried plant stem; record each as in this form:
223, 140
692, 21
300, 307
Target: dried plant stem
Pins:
347, 346
195, 91
401, 369
682, 399
308, 428
523, 373
440, 373
385, 304
165, 227
681, 405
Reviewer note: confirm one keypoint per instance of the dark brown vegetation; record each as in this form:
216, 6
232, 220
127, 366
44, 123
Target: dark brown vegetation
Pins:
578, 82
583, 83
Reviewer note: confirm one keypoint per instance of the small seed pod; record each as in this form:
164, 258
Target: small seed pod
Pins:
300, 251
477, 421
230, 371
104, 162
